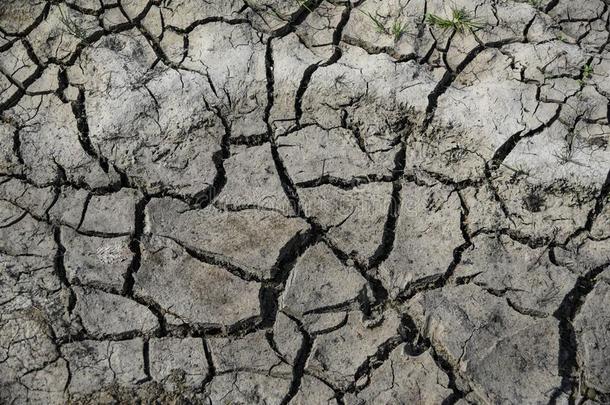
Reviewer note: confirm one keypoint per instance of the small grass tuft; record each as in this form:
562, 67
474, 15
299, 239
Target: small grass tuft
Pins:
461, 21
303, 3
565, 155
561, 36
587, 73
71, 26
398, 29
568, 150
379, 26
439, 22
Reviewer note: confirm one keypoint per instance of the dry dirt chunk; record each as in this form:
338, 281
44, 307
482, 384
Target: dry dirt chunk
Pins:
28, 278
506, 22
605, 276
601, 225
119, 60
423, 250
10, 214
524, 276
47, 82
95, 366
574, 147
356, 217
320, 280
69, 207
247, 388
404, 379
207, 293
51, 138
233, 57
552, 211
601, 66
296, 56
91, 260
158, 146
501, 355
590, 250
549, 59
27, 282
476, 116
177, 363
584, 254
9, 160
323, 322
16, 15
271, 15
362, 31
182, 13
60, 32
373, 89
113, 213
569, 150
251, 353
313, 153
45, 385
104, 314
590, 11
133, 8
35, 200
485, 213
321, 27
286, 337
593, 333
17, 64
538, 212
110, 214
314, 392
253, 181
336, 356
21, 234
251, 240
290, 60
25, 346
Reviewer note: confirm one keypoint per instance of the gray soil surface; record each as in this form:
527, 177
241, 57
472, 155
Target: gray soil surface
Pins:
304, 202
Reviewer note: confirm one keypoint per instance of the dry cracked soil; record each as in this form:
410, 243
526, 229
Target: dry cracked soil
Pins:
305, 202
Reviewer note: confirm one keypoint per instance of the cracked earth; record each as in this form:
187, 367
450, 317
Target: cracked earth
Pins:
279, 202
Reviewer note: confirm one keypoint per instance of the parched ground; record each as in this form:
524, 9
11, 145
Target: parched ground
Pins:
304, 202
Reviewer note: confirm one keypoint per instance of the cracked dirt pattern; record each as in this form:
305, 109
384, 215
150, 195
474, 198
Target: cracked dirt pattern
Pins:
275, 202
